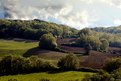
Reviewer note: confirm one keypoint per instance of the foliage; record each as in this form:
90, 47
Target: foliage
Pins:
117, 74
104, 76
48, 41
112, 65
18, 64
101, 76
33, 29
70, 62
85, 31
93, 40
89, 39
104, 45
112, 72
112, 34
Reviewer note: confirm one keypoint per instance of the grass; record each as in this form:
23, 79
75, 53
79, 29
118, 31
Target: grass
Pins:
63, 76
10, 47
14, 47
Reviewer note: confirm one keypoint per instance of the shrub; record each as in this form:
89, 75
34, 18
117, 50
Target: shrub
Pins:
37, 64
117, 74
11, 64
102, 76
47, 41
18, 64
5, 65
30, 64
113, 65
93, 41
47, 66
70, 62
105, 76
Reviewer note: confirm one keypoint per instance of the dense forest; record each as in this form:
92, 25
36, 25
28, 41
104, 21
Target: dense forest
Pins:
112, 30
112, 34
33, 29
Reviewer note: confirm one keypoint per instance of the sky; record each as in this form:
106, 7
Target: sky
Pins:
75, 13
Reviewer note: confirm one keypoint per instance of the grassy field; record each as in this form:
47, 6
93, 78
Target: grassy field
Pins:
14, 47
8, 47
64, 76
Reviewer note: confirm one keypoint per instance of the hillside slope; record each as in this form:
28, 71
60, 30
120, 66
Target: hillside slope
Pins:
33, 29
111, 30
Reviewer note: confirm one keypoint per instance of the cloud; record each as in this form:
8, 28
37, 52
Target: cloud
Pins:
65, 15
116, 3
79, 20
54, 10
88, 1
13, 9
117, 21
62, 12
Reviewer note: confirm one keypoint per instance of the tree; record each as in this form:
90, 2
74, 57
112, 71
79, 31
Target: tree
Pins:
17, 63
88, 39
104, 45
85, 31
70, 62
33, 29
88, 49
47, 41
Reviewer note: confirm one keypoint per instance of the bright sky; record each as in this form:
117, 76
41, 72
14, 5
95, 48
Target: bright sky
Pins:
75, 13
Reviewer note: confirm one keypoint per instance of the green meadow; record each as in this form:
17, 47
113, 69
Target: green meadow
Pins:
63, 76
15, 48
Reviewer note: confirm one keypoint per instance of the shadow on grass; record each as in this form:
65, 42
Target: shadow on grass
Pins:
33, 51
56, 71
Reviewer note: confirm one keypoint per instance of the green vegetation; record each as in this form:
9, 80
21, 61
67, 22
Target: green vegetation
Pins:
8, 47
113, 65
104, 45
88, 40
70, 62
112, 34
33, 29
111, 72
113, 30
48, 41
64, 76
18, 64
19, 52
